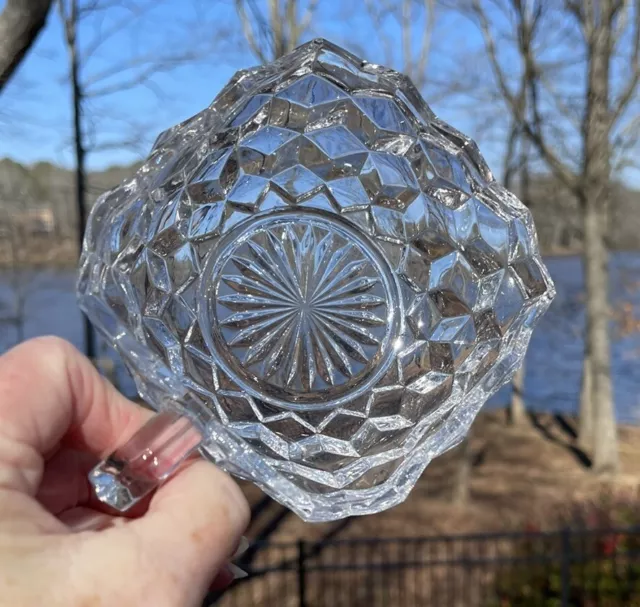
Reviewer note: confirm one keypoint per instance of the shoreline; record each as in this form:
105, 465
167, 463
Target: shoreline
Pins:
64, 256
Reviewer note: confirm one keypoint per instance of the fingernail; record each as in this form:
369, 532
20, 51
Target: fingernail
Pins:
243, 546
236, 571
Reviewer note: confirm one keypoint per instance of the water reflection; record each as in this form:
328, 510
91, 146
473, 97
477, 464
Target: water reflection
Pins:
553, 363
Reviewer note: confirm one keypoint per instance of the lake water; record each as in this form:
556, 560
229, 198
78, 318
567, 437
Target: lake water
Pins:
554, 359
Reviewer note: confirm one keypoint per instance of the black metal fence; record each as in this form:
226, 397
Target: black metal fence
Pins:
585, 568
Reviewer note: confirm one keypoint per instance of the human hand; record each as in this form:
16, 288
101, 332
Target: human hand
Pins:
59, 546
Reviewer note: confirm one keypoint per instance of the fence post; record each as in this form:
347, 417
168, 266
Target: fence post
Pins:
302, 590
565, 567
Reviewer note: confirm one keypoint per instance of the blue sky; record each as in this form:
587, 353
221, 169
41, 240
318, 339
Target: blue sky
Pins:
35, 116
35, 109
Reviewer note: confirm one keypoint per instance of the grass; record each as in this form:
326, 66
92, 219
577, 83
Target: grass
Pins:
518, 472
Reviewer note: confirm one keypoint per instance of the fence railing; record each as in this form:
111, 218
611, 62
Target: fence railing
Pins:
568, 568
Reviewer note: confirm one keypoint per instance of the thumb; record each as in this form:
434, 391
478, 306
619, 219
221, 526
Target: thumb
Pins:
193, 525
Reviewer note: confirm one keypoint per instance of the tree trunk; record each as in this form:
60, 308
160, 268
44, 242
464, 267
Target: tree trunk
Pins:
277, 27
517, 164
593, 197
20, 24
517, 407
586, 415
89, 336
460, 493
79, 149
605, 443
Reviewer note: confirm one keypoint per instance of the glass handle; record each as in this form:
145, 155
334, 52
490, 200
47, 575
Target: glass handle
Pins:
149, 457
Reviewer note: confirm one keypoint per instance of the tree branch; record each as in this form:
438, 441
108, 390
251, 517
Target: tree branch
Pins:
629, 91
377, 18
510, 164
289, 41
427, 32
532, 129
148, 61
305, 22
405, 27
560, 104
133, 12
276, 29
248, 32
280, 32
20, 24
151, 68
412, 64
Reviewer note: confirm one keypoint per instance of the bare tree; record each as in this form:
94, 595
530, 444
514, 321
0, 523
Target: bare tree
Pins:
20, 24
279, 31
517, 405
516, 165
89, 85
599, 31
416, 20
462, 477
69, 16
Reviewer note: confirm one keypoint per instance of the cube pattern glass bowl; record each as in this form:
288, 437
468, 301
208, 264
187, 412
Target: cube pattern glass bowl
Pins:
322, 276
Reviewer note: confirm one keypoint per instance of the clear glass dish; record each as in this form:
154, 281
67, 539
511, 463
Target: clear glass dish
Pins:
316, 282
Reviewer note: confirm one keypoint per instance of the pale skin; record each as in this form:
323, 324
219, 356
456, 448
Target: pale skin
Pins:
59, 547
